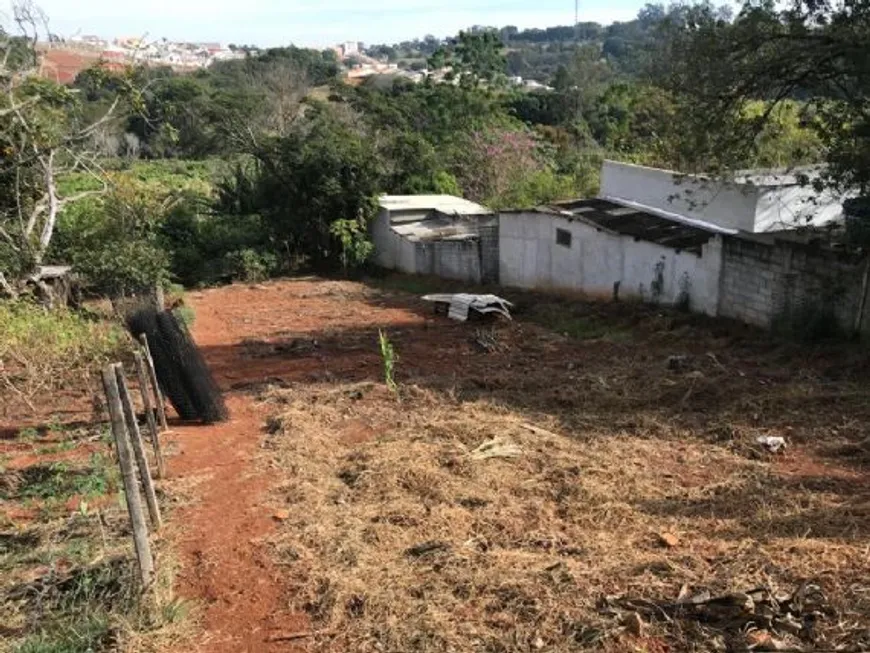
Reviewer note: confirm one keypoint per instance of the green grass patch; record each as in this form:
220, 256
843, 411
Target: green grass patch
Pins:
27, 328
177, 175
56, 447
81, 635
59, 481
69, 582
416, 284
81, 611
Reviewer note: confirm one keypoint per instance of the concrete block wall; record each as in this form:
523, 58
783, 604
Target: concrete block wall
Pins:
824, 280
752, 274
764, 281
449, 259
488, 243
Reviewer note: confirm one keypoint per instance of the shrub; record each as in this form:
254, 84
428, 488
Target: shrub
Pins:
503, 167
324, 170
114, 242
250, 265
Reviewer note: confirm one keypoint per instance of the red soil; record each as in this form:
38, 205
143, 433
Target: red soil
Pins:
223, 542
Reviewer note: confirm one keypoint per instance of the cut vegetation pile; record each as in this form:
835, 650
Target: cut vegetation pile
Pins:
556, 495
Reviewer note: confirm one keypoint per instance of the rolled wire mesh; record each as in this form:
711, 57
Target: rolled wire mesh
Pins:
181, 369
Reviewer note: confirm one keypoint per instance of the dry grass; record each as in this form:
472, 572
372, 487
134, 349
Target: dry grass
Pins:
68, 580
399, 539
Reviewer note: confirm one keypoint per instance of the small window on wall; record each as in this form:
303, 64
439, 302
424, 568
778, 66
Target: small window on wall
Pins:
563, 237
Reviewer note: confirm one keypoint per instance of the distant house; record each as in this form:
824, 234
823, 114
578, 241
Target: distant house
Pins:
440, 235
349, 49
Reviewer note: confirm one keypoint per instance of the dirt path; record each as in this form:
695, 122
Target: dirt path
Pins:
225, 564
224, 529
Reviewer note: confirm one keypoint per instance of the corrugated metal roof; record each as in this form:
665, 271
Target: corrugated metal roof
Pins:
435, 227
443, 203
640, 222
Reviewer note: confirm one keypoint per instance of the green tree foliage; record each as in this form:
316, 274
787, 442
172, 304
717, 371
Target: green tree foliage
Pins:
814, 53
508, 168
316, 190
638, 123
45, 133
219, 110
114, 241
475, 57
177, 119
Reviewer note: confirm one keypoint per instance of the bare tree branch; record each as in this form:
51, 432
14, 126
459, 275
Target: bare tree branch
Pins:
44, 148
6, 287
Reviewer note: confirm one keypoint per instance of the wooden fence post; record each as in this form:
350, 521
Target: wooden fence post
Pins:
159, 299
138, 447
149, 413
128, 474
152, 375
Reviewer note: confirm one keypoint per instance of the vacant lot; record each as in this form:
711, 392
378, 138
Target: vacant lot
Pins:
589, 484
585, 477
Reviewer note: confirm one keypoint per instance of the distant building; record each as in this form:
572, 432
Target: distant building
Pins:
87, 39
727, 249
350, 49
130, 42
532, 85
442, 235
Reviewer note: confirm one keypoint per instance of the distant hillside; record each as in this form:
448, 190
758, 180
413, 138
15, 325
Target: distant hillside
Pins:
538, 53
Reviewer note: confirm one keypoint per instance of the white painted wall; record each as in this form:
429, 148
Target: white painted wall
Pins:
392, 251
530, 258
731, 206
790, 206
771, 203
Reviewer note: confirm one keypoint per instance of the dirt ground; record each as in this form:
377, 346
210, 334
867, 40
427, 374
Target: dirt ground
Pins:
559, 482
333, 515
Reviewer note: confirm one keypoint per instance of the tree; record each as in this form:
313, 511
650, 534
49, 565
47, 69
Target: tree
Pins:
176, 117
43, 136
475, 58
316, 188
503, 167
811, 52
114, 242
588, 75
638, 122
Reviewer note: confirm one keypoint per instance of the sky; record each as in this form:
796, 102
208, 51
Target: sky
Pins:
315, 23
